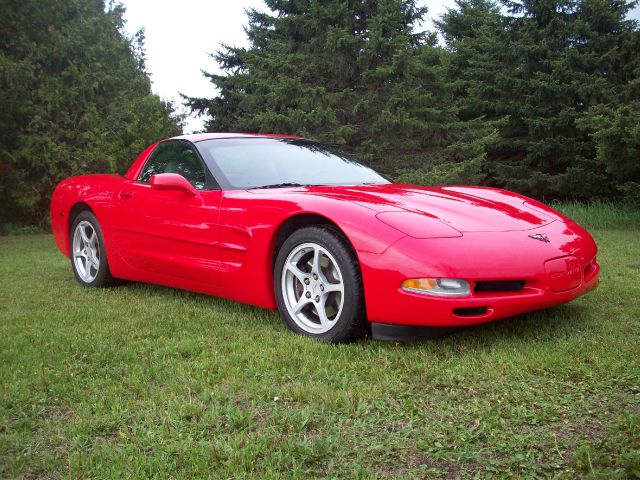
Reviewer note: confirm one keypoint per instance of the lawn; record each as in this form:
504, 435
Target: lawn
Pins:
142, 381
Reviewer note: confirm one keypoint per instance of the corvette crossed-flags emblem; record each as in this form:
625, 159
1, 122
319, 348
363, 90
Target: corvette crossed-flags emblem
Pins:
540, 236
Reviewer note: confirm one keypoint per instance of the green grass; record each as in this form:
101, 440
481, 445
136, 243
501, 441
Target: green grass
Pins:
599, 214
141, 381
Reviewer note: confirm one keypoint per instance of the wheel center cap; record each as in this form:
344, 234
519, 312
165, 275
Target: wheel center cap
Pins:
315, 287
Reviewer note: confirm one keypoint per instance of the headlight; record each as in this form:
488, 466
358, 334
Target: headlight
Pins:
441, 287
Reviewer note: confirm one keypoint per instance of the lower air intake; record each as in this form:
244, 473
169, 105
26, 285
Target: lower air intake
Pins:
469, 312
499, 286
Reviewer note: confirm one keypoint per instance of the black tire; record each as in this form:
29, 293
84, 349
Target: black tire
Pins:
103, 276
350, 323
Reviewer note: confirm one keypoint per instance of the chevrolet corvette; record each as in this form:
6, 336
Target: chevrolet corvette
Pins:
283, 222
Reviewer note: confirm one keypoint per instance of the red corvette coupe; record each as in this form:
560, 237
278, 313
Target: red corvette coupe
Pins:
283, 222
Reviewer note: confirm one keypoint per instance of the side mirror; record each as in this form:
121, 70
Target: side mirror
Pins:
172, 181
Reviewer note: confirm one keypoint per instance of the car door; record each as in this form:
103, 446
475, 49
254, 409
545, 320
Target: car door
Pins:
170, 232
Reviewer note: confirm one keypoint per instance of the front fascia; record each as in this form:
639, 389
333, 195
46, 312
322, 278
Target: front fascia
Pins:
479, 256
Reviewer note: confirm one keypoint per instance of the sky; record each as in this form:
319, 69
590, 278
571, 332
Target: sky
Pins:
180, 39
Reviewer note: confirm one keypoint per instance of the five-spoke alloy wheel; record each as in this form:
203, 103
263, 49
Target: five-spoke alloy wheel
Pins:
312, 288
88, 255
86, 251
318, 285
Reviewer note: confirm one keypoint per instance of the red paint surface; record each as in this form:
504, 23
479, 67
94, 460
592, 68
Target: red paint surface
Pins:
219, 242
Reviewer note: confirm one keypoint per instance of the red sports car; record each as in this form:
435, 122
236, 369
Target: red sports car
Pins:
283, 222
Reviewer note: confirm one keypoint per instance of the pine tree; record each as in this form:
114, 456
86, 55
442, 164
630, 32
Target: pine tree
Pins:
75, 99
350, 73
561, 74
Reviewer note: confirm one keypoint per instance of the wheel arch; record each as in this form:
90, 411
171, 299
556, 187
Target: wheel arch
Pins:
309, 219
302, 220
75, 210
64, 210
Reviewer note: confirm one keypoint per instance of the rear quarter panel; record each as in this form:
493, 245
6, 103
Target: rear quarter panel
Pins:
94, 191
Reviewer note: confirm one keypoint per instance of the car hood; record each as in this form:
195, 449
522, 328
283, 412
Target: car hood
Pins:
467, 209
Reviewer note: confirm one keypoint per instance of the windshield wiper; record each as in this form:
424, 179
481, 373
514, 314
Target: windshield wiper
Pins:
278, 185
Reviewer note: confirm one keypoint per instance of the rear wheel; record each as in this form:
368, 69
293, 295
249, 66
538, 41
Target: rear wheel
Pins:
318, 286
88, 255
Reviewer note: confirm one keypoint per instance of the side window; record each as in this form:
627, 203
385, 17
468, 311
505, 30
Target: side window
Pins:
157, 162
175, 157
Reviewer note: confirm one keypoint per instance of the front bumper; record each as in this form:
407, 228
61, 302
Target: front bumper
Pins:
479, 257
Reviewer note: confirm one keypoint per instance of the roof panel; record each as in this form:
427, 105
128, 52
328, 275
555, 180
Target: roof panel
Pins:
198, 137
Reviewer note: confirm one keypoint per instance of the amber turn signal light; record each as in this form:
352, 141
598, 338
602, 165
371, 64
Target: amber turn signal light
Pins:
442, 287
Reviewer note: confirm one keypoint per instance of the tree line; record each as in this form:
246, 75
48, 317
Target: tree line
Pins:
75, 98
538, 96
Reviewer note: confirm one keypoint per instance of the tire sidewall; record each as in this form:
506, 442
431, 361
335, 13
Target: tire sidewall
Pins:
103, 275
348, 326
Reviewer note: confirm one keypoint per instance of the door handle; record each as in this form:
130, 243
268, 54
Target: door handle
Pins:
125, 195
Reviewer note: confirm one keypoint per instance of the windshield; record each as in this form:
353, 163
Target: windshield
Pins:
241, 163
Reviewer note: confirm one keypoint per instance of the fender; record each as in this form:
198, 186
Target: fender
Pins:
249, 230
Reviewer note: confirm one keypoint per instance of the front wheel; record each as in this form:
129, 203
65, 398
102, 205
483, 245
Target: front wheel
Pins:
318, 286
88, 255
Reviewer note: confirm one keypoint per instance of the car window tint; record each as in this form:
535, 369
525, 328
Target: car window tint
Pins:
175, 157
